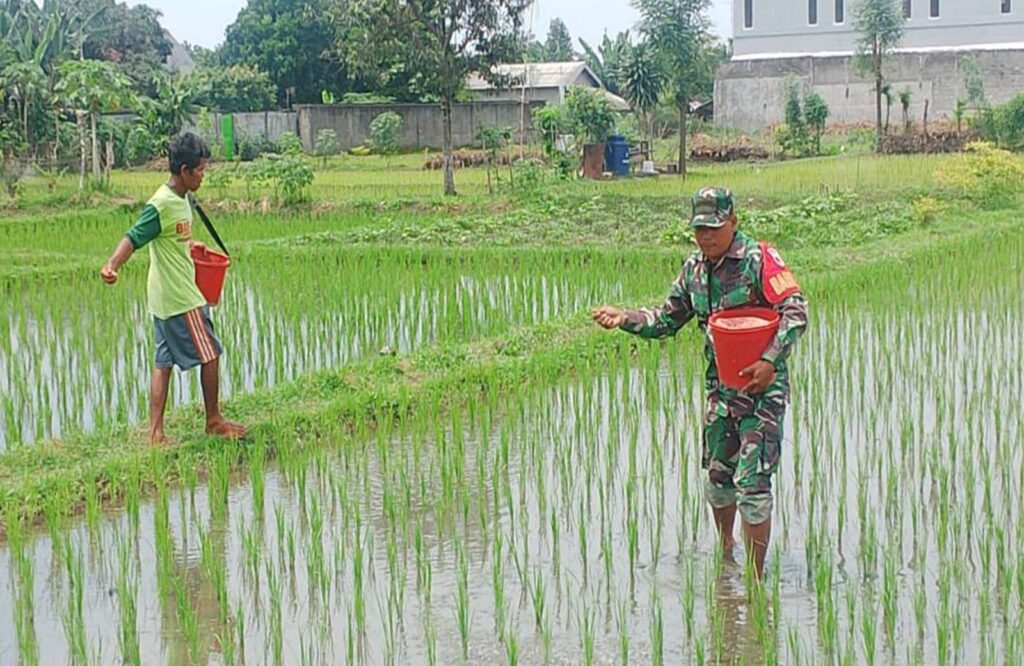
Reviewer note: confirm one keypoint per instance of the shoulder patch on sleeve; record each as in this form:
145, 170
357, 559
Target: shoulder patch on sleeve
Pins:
777, 280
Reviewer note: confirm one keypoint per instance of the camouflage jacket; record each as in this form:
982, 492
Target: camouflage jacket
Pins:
736, 280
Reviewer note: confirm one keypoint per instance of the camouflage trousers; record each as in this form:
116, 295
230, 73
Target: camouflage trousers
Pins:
741, 453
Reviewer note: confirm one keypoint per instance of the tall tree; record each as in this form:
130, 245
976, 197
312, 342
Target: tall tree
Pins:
643, 81
132, 37
438, 44
93, 86
290, 40
607, 60
680, 30
879, 25
558, 45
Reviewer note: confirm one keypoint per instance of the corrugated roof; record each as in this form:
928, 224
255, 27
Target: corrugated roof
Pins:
538, 75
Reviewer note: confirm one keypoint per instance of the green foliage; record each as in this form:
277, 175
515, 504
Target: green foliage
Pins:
589, 114
437, 45
680, 30
251, 147
291, 42
816, 115
558, 45
551, 121
132, 37
804, 125
643, 81
1003, 125
326, 144
974, 82
386, 133
988, 177
366, 98
609, 59
233, 89
879, 25
290, 175
288, 144
140, 146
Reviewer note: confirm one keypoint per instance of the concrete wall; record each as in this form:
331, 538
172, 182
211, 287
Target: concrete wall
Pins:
783, 27
268, 124
421, 127
749, 94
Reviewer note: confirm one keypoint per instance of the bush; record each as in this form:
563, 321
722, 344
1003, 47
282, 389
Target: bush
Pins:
987, 176
251, 147
589, 114
385, 133
1003, 125
288, 144
290, 175
326, 144
141, 146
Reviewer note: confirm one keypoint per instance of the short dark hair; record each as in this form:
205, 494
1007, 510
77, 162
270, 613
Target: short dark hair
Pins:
188, 150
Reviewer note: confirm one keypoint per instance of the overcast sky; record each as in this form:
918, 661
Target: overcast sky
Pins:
202, 22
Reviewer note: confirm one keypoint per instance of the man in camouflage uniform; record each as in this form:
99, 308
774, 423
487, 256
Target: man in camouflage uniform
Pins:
742, 429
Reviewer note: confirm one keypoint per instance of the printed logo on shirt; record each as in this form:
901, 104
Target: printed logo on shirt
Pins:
184, 230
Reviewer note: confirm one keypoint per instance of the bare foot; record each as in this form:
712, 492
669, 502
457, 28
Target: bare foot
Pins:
160, 441
728, 544
226, 429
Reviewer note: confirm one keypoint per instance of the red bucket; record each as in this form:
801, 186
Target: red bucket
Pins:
211, 267
740, 340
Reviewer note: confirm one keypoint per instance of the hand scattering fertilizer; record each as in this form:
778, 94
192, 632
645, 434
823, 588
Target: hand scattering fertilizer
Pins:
741, 335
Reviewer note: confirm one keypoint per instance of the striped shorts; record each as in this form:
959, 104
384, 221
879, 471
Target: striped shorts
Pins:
186, 340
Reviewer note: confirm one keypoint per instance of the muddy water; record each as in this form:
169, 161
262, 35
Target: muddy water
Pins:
897, 525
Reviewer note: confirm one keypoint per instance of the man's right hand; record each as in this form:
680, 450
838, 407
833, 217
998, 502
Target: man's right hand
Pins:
108, 274
608, 317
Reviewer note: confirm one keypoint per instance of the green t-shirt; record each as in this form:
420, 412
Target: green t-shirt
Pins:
166, 226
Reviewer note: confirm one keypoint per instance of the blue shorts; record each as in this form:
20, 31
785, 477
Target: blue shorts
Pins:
186, 340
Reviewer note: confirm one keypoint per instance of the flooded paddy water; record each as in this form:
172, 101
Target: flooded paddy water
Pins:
76, 355
564, 523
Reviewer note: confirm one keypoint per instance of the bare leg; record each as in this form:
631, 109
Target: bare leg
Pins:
216, 424
158, 388
756, 538
724, 520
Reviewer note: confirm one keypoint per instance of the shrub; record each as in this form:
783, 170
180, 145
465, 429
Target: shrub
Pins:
288, 144
589, 114
987, 176
326, 144
251, 147
385, 133
141, 145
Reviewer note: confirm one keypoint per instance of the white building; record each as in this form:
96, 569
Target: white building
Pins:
773, 28
814, 40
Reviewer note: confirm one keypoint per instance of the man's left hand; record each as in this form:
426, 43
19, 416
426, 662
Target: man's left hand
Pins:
761, 374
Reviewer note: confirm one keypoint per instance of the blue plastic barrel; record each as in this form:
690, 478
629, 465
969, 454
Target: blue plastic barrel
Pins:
616, 155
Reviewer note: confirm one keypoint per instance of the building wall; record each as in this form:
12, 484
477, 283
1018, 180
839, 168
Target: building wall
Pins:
421, 127
749, 94
781, 27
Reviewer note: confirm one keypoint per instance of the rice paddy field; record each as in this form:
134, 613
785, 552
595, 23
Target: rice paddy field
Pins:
449, 464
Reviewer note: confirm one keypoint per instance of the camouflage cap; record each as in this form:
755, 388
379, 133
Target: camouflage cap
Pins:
712, 207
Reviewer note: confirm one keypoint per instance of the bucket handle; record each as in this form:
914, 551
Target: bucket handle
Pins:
208, 224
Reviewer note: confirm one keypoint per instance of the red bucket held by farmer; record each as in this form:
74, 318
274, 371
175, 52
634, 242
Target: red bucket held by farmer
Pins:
741, 335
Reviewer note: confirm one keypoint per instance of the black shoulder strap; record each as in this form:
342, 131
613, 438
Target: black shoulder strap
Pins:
209, 225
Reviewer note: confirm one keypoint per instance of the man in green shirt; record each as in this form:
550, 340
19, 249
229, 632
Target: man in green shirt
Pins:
742, 428
183, 329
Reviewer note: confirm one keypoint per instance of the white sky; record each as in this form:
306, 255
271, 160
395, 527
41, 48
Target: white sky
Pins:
203, 22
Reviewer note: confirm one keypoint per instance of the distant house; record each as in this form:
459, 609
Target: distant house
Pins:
543, 82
